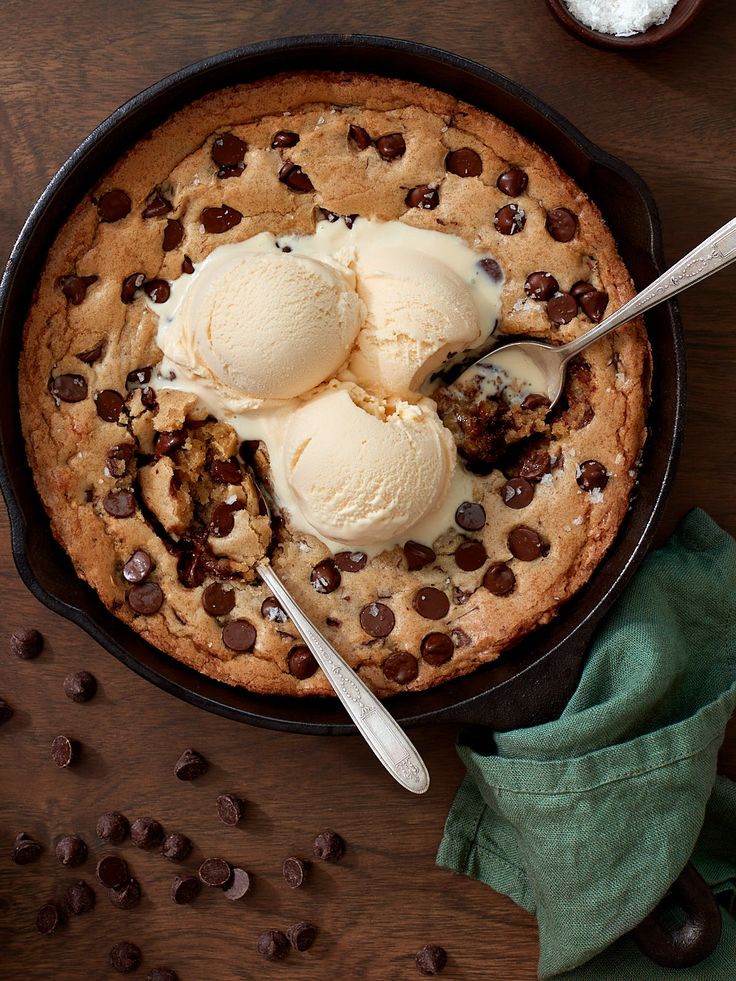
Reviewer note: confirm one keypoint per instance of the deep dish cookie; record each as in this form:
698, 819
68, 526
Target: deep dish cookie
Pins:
153, 500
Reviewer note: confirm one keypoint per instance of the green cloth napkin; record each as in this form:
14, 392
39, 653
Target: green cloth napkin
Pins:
586, 821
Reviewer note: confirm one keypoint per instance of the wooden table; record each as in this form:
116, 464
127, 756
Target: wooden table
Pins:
66, 64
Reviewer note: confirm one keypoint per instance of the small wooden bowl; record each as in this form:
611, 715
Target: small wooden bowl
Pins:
681, 17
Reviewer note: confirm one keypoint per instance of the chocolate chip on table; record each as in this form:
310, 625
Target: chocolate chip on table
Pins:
391, 146
464, 163
190, 765
400, 667
470, 556
79, 898
491, 268
561, 224
295, 179
157, 290
534, 464
119, 503
113, 205
535, 401
562, 308
75, 288
270, 610
168, 441
113, 827
187, 266
214, 872
26, 643
173, 235
302, 663
436, 648
125, 957
71, 850
239, 635
423, 196
218, 600
216, 221
470, 516
49, 918
91, 355
526, 544
284, 139
185, 889
228, 150
510, 219
517, 493
329, 846
294, 871
138, 567
302, 935
359, 136
594, 304
499, 579
418, 556
131, 285
109, 404
350, 561
157, 206
238, 886
512, 182
146, 833
112, 871
26, 849
145, 598
431, 959
229, 809
176, 847
325, 576
592, 475
541, 285
162, 974
6, 711
64, 751
431, 603
69, 388
377, 619
126, 896
272, 945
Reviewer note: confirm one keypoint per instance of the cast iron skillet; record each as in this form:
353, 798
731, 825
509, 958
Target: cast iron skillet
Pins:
532, 683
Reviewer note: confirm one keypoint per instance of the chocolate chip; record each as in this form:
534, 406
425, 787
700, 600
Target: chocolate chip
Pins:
492, 269
176, 847
214, 872
113, 205
351, 561
517, 493
222, 520
75, 288
79, 898
125, 957
119, 503
80, 686
157, 289
526, 544
64, 751
239, 635
26, 643
499, 579
226, 471
25, 849
138, 567
270, 610
401, 667
126, 896
219, 220
49, 918
423, 196
145, 598
273, 945
418, 556
112, 871
464, 163
460, 596
431, 959
534, 464
391, 146
162, 974
535, 401
359, 136
329, 846
562, 308
581, 288
228, 150
187, 266
377, 619
302, 935
294, 872
6, 711
302, 663
592, 475
229, 809
594, 304
138, 377
169, 441
91, 355
173, 234
69, 388
436, 649
283, 139
238, 886
470, 516
190, 765
157, 206
109, 404
561, 224
185, 889
541, 285
218, 600
510, 219
113, 827
71, 850
512, 182
146, 833
470, 556
295, 179
325, 576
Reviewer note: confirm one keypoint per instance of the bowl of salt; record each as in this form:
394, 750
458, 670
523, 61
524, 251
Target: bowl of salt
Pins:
625, 24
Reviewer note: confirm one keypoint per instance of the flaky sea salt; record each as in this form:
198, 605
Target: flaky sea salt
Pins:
545, 479
596, 495
621, 17
578, 521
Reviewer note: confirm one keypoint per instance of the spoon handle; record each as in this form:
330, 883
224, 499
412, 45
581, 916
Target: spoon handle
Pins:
711, 255
379, 729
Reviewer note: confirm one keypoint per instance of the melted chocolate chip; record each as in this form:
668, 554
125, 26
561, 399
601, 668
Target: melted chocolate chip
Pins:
594, 304
325, 576
418, 556
226, 471
499, 579
230, 809
69, 388
302, 663
119, 503
359, 136
218, 600
185, 889
423, 196
295, 179
284, 139
464, 163
92, 355
168, 441
173, 234
526, 544
592, 475
534, 464
216, 221
239, 635
470, 556
517, 493
157, 290
459, 637
118, 458
391, 146
138, 378
222, 520
535, 401
157, 206
138, 567
377, 619
228, 150
561, 224
131, 285
270, 610
510, 219
470, 516
512, 182
492, 269
581, 288
187, 266
75, 288
431, 603
562, 308
145, 598
109, 404
401, 667
541, 285
113, 205
436, 649
351, 561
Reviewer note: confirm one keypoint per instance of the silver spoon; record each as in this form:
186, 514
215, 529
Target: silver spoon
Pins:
544, 365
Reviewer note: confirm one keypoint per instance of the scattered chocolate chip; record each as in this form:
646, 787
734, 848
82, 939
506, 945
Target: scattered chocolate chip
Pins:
535, 401
239, 635
470, 516
113, 827
431, 959
517, 493
562, 308
359, 136
228, 150
295, 179
80, 686
119, 503
436, 648
270, 610
592, 475
187, 266
169, 441
225, 471
329, 846
391, 146
138, 567
145, 598
273, 945
512, 182
499, 579
377, 619
492, 269
219, 220
173, 234
325, 576
26, 643
464, 163
75, 288
222, 520
470, 556
401, 667
218, 600
541, 285
69, 388
25, 849
162, 974
71, 850
185, 889
125, 957
581, 288
594, 304
125, 896
64, 751
238, 886
510, 219
534, 464
423, 196
418, 556
79, 898
6, 711
284, 139
146, 833
49, 918
351, 561
157, 206
294, 871
302, 935
113, 205
214, 872
526, 544
176, 847
109, 404
561, 224
112, 871
229, 809
91, 355
157, 290
190, 765
302, 663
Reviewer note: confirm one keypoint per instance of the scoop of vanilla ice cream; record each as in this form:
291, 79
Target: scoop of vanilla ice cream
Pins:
364, 470
418, 312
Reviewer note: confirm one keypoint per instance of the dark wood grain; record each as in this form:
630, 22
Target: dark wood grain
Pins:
66, 64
